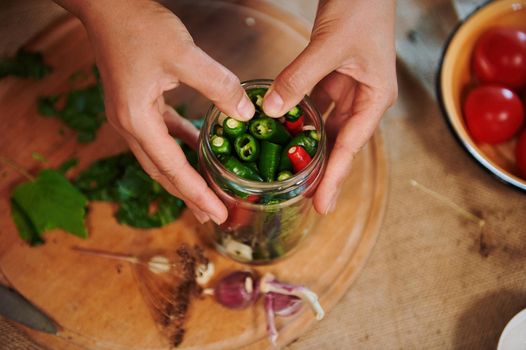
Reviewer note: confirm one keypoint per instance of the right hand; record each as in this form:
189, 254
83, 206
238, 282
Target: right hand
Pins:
142, 50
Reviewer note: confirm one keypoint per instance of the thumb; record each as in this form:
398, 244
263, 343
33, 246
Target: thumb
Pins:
297, 79
216, 82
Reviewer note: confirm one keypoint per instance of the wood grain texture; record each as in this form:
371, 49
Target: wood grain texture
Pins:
98, 302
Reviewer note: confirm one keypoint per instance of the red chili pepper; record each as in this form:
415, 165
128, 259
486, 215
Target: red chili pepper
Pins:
253, 198
239, 216
299, 158
296, 126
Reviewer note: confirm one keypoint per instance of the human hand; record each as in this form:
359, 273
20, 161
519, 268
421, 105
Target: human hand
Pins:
142, 50
351, 62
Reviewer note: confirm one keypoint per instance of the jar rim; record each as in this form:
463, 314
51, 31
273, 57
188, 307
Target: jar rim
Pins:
257, 186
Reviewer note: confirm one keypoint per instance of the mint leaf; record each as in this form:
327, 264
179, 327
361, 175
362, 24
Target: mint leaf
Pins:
49, 202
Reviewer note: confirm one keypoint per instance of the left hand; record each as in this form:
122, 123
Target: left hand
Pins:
351, 61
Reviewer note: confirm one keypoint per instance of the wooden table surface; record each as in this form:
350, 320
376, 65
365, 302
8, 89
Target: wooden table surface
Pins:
434, 280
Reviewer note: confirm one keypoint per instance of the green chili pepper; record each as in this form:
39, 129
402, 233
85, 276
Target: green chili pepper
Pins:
268, 129
218, 130
232, 128
294, 114
237, 168
247, 147
253, 166
284, 175
313, 134
308, 143
254, 93
269, 160
220, 145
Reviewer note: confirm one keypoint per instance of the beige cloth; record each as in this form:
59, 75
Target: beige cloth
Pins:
434, 280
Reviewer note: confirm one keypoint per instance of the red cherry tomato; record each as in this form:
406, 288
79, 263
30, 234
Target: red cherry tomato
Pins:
500, 57
493, 113
520, 154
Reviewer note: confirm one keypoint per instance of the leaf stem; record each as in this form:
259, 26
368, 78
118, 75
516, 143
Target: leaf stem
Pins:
10, 163
463, 212
115, 256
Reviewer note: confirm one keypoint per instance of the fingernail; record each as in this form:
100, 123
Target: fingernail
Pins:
201, 217
273, 103
215, 219
332, 203
245, 108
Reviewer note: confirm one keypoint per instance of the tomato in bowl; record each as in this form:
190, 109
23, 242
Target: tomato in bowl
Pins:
481, 88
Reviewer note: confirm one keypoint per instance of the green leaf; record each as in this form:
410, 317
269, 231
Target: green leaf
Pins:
25, 227
49, 202
46, 105
83, 110
24, 65
142, 202
66, 165
98, 181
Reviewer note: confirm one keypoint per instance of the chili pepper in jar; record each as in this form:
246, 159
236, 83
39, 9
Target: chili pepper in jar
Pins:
233, 128
268, 129
236, 167
220, 145
247, 147
295, 126
218, 130
269, 160
299, 158
294, 114
303, 140
284, 175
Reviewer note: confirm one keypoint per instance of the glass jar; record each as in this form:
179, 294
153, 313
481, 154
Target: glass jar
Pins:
266, 220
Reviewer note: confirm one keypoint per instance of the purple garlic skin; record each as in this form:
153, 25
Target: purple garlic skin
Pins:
237, 290
285, 305
269, 284
268, 302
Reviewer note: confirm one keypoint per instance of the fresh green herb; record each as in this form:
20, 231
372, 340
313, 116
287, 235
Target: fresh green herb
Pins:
142, 202
24, 64
68, 164
48, 202
83, 110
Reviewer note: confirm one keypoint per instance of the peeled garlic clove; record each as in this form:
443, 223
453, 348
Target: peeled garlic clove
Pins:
159, 264
203, 273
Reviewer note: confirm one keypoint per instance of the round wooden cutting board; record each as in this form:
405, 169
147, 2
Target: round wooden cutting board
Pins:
98, 301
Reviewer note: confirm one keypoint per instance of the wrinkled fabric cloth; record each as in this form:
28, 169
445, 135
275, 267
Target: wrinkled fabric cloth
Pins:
422, 28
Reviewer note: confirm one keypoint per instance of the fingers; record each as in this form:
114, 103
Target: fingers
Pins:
217, 83
180, 127
169, 164
150, 168
339, 88
353, 135
297, 79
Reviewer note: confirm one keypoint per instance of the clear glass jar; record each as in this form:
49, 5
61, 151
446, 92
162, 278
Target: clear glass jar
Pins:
263, 232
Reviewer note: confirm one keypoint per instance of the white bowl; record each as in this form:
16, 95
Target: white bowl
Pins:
513, 336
